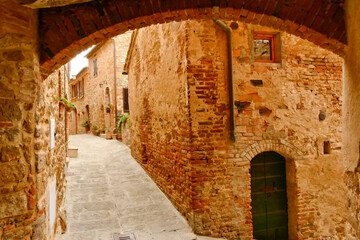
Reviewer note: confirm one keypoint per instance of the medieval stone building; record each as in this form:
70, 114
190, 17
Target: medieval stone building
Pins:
93, 90
278, 174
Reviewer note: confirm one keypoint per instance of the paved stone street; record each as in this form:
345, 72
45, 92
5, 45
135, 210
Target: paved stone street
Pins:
108, 192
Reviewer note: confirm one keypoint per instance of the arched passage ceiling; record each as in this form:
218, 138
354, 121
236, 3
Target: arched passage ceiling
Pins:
67, 30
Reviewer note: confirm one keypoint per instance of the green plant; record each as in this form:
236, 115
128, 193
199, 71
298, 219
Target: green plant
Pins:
102, 106
94, 128
109, 104
122, 121
108, 130
68, 103
86, 124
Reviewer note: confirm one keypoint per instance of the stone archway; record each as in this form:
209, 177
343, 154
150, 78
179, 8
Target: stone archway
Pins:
77, 27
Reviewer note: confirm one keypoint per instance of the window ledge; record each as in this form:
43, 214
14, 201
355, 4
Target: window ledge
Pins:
268, 64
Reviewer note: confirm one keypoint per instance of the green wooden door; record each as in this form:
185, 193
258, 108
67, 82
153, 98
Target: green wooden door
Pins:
268, 194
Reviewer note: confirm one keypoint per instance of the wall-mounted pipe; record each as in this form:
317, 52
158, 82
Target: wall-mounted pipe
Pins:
230, 77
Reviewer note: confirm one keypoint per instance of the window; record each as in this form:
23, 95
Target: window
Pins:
78, 89
82, 87
74, 92
264, 48
126, 100
95, 67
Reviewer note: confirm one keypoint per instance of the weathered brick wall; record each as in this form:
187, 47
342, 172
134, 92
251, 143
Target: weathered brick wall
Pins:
26, 104
159, 109
284, 110
95, 86
282, 115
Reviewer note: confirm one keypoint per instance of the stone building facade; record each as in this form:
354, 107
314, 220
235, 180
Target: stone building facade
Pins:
290, 107
77, 89
93, 89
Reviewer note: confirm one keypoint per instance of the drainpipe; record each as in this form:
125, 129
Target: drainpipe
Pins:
115, 90
230, 77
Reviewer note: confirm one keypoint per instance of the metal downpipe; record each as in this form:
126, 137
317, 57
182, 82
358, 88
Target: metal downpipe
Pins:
230, 77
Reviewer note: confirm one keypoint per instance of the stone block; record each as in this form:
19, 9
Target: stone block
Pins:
72, 152
10, 153
13, 55
12, 172
40, 161
9, 110
5, 91
13, 204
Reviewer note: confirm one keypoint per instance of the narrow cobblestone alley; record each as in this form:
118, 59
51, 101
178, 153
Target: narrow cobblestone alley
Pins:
108, 192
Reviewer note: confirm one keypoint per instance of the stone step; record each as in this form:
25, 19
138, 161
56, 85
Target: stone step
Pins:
72, 152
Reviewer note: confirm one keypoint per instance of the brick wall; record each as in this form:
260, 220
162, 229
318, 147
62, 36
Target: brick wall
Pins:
282, 115
159, 109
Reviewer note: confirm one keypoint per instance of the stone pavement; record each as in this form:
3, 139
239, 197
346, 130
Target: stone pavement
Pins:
108, 192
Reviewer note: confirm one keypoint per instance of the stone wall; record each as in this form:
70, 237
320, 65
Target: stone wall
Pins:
159, 109
95, 95
25, 105
281, 115
51, 164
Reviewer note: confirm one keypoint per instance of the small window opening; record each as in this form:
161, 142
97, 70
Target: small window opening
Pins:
126, 100
95, 66
327, 147
264, 48
257, 83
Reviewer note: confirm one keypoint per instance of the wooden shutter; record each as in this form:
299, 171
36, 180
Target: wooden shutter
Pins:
126, 99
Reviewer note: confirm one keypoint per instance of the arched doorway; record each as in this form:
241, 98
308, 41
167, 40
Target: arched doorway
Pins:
269, 196
107, 107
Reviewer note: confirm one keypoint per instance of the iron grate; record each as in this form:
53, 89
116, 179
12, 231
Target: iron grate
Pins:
130, 236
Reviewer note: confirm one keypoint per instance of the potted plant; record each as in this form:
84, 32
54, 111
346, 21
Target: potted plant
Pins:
94, 129
101, 130
68, 105
118, 130
108, 133
86, 125
121, 124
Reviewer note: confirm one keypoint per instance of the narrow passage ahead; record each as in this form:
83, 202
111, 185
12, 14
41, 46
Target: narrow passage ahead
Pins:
108, 193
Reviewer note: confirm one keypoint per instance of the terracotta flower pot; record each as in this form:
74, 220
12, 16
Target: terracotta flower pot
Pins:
102, 131
87, 128
109, 135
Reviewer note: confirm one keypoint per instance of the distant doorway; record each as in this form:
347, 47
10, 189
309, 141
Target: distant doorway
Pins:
269, 197
107, 107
